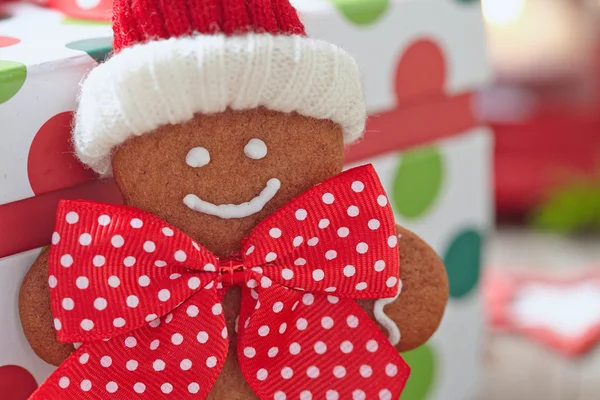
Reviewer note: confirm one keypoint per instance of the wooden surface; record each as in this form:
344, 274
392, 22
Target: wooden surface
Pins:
518, 368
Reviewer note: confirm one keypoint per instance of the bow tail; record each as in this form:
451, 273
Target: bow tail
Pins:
180, 355
294, 344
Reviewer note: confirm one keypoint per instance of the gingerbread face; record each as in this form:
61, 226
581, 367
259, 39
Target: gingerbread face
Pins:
216, 176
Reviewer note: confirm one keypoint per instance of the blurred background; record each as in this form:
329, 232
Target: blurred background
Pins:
541, 287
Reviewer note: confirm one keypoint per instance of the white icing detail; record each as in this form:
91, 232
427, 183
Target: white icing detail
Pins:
197, 157
229, 211
385, 321
255, 149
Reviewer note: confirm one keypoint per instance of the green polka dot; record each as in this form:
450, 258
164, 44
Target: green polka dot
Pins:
362, 12
86, 22
423, 372
463, 262
97, 48
12, 78
418, 182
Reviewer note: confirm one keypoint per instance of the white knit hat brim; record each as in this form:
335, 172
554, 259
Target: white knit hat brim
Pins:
168, 81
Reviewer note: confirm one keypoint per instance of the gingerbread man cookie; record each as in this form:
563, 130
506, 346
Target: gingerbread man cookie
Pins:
245, 263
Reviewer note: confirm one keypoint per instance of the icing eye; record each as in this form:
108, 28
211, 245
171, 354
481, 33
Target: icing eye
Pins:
197, 157
255, 149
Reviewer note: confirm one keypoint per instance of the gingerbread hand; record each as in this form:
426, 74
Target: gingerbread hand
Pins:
414, 316
36, 315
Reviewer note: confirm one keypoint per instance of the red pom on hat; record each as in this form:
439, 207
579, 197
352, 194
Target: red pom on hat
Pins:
139, 21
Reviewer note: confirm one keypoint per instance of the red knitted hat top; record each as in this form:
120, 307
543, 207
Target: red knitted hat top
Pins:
139, 21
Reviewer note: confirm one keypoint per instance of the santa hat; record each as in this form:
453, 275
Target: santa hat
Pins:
177, 58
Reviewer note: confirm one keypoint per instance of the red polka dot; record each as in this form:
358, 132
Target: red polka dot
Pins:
6, 41
51, 163
16, 383
421, 71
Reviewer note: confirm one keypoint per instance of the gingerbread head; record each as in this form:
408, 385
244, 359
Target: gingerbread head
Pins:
245, 263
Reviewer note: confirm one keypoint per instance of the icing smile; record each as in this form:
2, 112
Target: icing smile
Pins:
230, 211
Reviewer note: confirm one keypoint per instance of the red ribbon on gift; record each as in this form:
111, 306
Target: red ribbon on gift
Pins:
145, 299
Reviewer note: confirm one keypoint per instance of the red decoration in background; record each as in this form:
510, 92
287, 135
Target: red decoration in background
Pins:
16, 383
501, 289
424, 111
6, 41
164, 312
51, 164
536, 156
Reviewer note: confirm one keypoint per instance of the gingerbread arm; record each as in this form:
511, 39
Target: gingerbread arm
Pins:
36, 315
419, 309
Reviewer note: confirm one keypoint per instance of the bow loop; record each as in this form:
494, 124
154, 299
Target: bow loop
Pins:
293, 344
179, 356
113, 269
339, 237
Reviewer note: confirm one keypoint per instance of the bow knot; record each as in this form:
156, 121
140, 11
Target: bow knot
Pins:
233, 271
145, 300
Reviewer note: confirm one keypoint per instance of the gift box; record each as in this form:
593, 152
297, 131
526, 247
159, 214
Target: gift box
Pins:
435, 160
421, 61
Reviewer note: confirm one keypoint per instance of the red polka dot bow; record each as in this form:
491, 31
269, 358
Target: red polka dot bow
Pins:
145, 301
